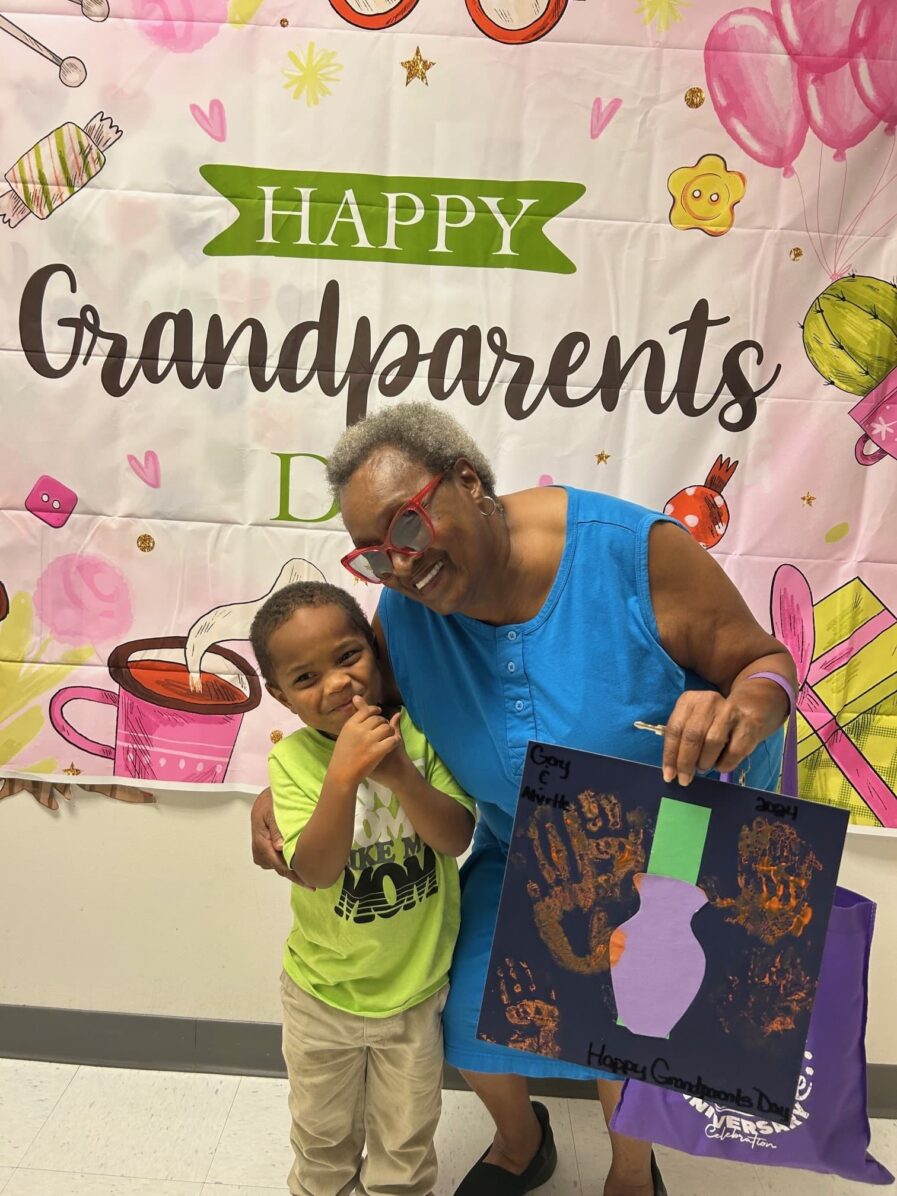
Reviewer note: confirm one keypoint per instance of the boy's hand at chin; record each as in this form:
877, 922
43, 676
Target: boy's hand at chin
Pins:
395, 765
364, 741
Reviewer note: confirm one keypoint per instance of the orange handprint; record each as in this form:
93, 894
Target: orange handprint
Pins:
535, 1021
583, 870
774, 875
767, 1000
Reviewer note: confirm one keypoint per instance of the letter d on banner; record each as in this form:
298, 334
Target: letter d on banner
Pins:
286, 470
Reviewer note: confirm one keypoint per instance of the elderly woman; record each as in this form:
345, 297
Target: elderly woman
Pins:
553, 614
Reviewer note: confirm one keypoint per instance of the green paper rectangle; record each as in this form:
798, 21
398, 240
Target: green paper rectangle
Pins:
679, 840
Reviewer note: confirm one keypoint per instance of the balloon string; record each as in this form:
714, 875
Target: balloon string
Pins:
872, 198
806, 224
818, 216
840, 214
877, 231
876, 191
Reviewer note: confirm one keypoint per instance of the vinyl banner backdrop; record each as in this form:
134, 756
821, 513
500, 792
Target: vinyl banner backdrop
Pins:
644, 247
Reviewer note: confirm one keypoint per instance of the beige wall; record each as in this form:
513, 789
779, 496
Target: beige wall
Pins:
158, 909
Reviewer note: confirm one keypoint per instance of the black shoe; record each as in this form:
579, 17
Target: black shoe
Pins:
485, 1179
660, 1188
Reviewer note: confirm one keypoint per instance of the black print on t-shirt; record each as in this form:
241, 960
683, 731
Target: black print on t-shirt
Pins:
377, 885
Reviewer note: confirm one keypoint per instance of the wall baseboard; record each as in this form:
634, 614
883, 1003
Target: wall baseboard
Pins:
241, 1048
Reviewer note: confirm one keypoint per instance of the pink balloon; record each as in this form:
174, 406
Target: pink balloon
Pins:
816, 33
837, 115
753, 85
873, 49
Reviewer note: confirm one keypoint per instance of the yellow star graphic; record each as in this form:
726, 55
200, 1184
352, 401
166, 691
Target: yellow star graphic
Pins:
808, 499
417, 67
602, 457
71, 771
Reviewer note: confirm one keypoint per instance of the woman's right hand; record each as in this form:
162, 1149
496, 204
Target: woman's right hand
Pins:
267, 841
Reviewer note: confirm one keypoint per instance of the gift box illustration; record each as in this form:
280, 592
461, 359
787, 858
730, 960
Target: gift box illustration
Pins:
845, 648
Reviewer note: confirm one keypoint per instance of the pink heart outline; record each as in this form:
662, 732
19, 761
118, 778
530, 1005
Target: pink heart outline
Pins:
214, 122
601, 116
149, 470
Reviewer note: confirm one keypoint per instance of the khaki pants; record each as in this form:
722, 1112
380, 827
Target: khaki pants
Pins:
362, 1081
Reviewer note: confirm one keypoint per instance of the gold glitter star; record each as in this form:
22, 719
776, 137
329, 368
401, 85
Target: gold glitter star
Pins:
146, 543
808, 499
796, 253
694, 97
417, 67
602, 457
71, 771
276, 736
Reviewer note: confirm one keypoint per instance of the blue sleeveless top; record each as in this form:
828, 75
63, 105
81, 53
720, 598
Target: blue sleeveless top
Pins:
578, 674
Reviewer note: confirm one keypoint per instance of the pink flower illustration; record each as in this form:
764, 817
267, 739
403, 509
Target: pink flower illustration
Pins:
83, 599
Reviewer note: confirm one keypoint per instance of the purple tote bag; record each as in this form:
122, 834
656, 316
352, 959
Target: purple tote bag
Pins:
830, 1129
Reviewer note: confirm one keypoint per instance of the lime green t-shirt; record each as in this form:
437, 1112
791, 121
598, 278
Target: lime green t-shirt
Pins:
380, 940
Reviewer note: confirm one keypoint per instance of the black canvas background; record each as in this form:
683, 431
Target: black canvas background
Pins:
740, 1058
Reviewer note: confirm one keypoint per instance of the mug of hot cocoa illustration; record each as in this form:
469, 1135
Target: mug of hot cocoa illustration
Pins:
165, 729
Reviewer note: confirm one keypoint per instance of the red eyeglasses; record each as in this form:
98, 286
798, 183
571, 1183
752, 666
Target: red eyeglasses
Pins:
410, 534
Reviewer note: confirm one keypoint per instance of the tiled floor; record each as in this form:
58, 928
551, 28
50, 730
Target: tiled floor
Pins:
92, 1131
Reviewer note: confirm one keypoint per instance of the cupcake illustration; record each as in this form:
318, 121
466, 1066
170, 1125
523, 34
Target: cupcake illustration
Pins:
850, 336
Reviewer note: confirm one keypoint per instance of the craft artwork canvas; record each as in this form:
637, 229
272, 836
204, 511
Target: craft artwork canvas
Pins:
667, 935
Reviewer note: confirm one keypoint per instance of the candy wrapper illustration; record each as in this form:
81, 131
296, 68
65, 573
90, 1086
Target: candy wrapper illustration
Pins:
845, 649
850, 336
703, 509
668, 935
52, 171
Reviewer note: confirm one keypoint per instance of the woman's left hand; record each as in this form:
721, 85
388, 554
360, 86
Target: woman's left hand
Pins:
706, 627
709, 731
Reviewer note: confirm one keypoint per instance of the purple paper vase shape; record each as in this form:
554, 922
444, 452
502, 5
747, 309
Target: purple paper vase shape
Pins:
657, 964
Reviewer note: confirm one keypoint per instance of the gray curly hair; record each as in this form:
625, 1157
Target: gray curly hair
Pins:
421, 431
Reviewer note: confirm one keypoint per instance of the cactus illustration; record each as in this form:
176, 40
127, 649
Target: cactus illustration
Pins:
850, 333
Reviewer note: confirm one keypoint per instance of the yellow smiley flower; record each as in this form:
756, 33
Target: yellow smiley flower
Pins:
705, 195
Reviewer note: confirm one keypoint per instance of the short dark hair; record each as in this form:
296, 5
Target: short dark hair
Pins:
283, 603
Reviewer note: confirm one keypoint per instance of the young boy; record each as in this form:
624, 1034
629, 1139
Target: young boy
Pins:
371, 820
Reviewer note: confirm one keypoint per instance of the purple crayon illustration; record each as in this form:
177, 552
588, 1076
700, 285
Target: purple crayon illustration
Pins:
657, 964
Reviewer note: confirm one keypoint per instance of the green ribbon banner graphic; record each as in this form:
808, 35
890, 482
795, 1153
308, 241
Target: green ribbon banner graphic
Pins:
383, 218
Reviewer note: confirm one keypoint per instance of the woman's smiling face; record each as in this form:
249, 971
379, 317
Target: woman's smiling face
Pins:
455, 566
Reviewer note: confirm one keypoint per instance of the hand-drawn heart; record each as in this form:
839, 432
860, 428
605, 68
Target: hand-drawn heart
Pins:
601, 116
148, 470
214, 122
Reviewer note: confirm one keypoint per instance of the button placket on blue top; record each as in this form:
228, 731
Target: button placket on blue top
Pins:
515, 687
